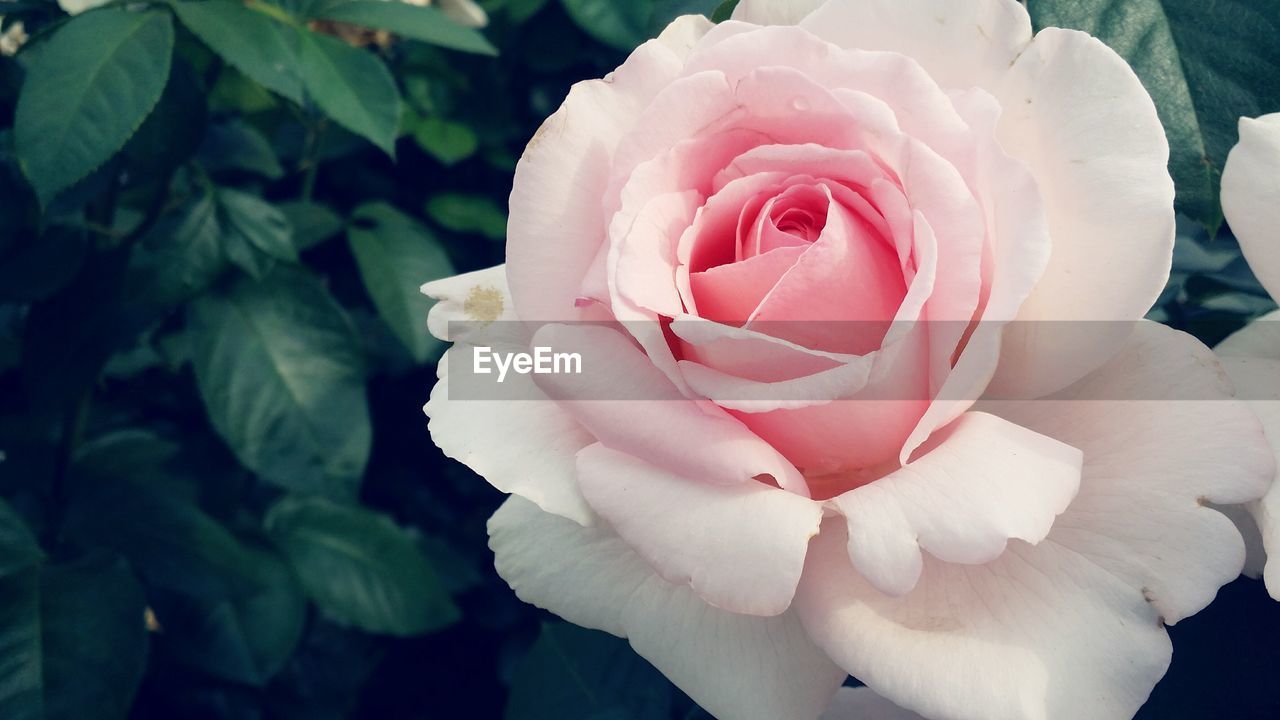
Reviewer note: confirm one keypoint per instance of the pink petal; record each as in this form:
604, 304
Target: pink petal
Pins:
630, 406
740, 547
731, 293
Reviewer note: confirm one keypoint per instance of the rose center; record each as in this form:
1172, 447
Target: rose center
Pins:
807, 262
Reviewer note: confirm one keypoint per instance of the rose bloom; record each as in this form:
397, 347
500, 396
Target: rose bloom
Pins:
1251, 202
814, 227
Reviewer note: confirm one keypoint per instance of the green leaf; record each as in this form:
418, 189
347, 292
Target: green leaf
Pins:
73, 643
572, 672
664, 11
724, 11
312, 222
396, 255
352, 86
87, 92
247, 637
623, 25
410, 21
261, 47
1205, 65
280, 371
173, 131
255, 233
360, 567
226, 607
449, 142
520, 11
183, 253
237, 145
469, 214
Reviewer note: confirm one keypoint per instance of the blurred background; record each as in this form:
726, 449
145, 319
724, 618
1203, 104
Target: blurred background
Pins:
218, 496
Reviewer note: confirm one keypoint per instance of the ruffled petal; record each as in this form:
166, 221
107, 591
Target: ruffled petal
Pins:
1071, 627
984, 482
735, 666
1039, 634
1163, 437
1258, 382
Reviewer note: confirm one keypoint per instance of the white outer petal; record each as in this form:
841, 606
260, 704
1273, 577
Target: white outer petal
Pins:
1100, 158
740, 547
1073, 627
738, 667
1258, 382
774, 12
986, 482
963, 44
1251, 196
862, 703
1163, 439
473, 298
1039, 634
525, 447
557, 220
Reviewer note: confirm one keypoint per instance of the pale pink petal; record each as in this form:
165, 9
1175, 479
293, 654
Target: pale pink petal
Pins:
1251, 196
630, 406
735, 666
525, 447
748, 354
741, 547
1162, 440
1014, 260
1041, 633
1099, 155
1257, 381
862, 703
642, 257
557, 219
1137, 547
981, 482
961, 44
774, 12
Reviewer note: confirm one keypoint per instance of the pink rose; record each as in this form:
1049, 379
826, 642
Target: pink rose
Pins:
1251, 202
813, 228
